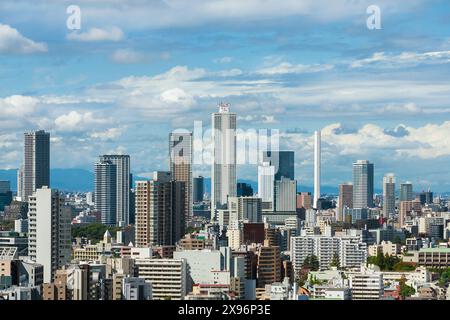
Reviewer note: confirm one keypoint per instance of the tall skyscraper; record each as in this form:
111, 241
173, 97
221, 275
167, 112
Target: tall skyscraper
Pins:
180, 164
362, 184
223, 169
198, 189
266, 183
282, 161
388, 195
160, 209
345, 199
285, 194
49, 240
122, 163
406, 191
105, 192
317, 156
36, 162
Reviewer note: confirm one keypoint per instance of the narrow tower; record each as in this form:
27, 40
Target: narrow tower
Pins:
316, 168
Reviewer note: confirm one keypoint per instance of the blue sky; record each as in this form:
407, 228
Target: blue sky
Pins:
138, 69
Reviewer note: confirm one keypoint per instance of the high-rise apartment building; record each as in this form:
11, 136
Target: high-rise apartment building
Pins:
49, 240
167, 276
362, 184
180, 164
388, 195
160, 210
105, 192
223, 169
345, 199
123, 176
36, 163
268, 265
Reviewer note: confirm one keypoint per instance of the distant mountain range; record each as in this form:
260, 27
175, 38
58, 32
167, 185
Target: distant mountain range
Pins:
81, 180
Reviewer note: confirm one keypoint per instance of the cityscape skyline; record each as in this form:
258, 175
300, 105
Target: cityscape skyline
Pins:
331, 74
224, 151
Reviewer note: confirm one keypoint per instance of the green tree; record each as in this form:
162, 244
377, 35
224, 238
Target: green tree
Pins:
335, 261
311, 262
405, 290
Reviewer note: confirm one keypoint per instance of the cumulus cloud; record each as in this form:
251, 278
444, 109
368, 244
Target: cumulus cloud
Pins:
97, 34
75, 120
11, 41
18, 105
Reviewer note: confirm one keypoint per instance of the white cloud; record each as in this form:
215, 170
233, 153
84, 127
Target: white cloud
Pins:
97, 34
223, 60
76, 121
128, 56
405, 59
109, 134
11, 41
18, 105
286, 68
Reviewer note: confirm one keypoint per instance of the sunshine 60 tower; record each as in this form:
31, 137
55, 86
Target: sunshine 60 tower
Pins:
223, 165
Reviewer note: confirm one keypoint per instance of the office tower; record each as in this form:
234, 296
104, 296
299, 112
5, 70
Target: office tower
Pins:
345, 199
244, 189
282, 161
105, 192
247, 209
317, 156
223, 169
122, 163
160, 210
198, 189
362, 184
49, 241
406, 191
167, 276
388, 195
36, 162
426, 197
5, 194
304, 200
266, 183
285, 192
180, 164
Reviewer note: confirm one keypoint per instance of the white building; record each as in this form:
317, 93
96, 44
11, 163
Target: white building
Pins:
266, 180
167, 276
367, 285
316, 168
350, 250
49, 240
223, 169
206, 266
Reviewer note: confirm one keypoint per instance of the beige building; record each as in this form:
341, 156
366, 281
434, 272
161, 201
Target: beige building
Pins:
180, 164
167, 276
